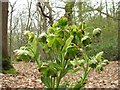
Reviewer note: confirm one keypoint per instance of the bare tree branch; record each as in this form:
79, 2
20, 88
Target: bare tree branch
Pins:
104, 13
42, 11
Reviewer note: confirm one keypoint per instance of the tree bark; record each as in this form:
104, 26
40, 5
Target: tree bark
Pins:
4, 29
6, 63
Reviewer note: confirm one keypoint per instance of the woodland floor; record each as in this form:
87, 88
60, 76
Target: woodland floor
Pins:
28, 76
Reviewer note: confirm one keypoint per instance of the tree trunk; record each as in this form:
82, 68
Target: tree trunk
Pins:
68, 11
0, 36
6, 63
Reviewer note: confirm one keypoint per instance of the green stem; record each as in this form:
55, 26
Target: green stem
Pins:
86, 69
63, 62
58, 80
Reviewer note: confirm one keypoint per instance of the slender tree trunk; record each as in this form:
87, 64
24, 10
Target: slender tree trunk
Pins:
119, 30
4, 28
6, 63
10, 49
0, 36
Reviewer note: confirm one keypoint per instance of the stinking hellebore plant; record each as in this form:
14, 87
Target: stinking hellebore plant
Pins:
66, 48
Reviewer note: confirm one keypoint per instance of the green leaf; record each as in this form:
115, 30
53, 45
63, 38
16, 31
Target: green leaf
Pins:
52, 71
76, 70
55, 25
82, 25
93, 63
86, 40
42, 37
21, 52
99, 56
44, 70
50, 30
71, 51
81, 62
69, 67
73, 62
99, 67
55, 65
97, 32
34, 45
60, 33
51, 39
30, 35
67, 43
106, 61
46, 81
63, 21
